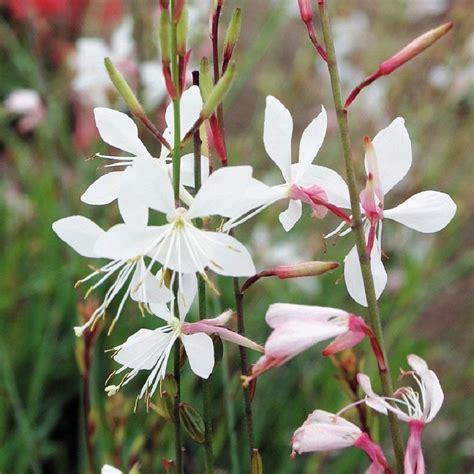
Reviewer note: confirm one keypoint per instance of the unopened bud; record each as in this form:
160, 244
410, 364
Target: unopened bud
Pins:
257, 464
178, 10
123, 88
306, 10
164, 4
218, 92
182, 32
304, 269
165, 37
192, 422
205, 80
417, 46
232, 34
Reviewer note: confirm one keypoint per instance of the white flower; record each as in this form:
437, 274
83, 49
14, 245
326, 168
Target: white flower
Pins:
108, 469
135, 187
414, 408
82, 235
26, 103
303, 181
153, 81
91, 80
150, 349
179, 245
387, 160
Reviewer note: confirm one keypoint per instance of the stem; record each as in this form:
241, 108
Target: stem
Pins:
206, 384
176, 177
239, 297
372, 306
89, 424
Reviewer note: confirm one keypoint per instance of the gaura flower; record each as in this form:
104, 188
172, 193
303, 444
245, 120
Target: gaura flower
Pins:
108, 469
26, 103
91, 81
413, 408
387, 160
134, 187
82, 235
324, 431
298, 327
150, 349
303, 181
179, 245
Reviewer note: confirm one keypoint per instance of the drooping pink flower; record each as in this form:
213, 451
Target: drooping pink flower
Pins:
413, 408
324, 431
298, 327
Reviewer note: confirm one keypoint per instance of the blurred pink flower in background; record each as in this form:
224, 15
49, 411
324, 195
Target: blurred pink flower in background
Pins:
28, 105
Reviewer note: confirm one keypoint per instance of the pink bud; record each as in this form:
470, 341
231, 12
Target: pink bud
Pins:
414, 48
306, 10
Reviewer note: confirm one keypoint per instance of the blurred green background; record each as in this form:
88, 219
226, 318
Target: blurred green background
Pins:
426, 308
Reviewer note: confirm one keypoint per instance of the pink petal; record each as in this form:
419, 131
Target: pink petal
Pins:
414, 461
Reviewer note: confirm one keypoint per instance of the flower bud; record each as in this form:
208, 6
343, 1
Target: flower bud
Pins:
218, 92
192, 422
304, 269
164, 4
414, 48
165, 37
123, 88
182, 32
306, 10
257, 464
205, 80
232, 35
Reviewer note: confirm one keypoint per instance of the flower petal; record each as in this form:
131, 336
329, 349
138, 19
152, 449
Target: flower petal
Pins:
186, 294
220, 192
224, 254
200, 351
353, 274
277, 132
393, 151
187, 169
311, 142
132, 199
108, 469
434, 396
142, 350
292, 215
428, 211
80, 233
331, 182
124, 241
149, 288
119, 130
104, 189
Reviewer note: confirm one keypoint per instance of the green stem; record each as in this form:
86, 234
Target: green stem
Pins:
358, 231
176, 154
206, 384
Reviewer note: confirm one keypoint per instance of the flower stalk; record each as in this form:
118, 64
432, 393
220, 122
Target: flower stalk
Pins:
373, 309
206, 384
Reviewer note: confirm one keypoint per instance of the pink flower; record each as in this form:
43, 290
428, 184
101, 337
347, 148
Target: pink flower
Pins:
26, 103
414, 408
324, 431
298, 327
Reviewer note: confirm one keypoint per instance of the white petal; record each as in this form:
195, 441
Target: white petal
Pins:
428, 211
142, 349
225, 254
333, 184
108, 469
277, 132
149, 288
187, 169
122, 39
154, 184
80, 233
292, 215
119, 130
200, 351
104, 189
191, 105
132, 199
353, 274
393, 151
221, 191
186, 294
161, 311
311, 142
125, 241
434, 395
